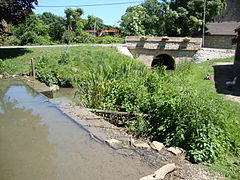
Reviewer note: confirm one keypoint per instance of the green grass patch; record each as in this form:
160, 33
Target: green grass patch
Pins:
183, 109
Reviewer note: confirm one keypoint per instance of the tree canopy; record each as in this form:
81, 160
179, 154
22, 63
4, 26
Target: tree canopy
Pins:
15, 11
174, 17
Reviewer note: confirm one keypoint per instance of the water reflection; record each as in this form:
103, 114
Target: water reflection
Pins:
25, 151
38, 142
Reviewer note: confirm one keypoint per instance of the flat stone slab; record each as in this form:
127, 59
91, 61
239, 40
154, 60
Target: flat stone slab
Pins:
160, 173
46, 92
175, 150
157, 146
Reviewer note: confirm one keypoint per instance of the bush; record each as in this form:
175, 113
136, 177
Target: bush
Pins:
85, 38
28, 38
14, 41
178, 115
68, 37
110, 40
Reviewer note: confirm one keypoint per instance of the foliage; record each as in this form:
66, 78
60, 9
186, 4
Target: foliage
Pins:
15, 11
184, 109
173, 18
93, 21
74, 21
110, 40
132, 21
49, 29
57, 25
178, 115
33, 31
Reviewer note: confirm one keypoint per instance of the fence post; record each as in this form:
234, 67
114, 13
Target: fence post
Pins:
33, 68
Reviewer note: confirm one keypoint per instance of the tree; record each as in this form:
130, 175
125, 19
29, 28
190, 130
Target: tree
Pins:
133, 20
188, 15
32, 31
172, 18
91, 21
15, 11
57, 25
74, 20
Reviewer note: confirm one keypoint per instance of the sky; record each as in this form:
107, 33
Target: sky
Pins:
110, 14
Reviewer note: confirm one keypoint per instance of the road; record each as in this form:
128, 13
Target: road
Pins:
65, 45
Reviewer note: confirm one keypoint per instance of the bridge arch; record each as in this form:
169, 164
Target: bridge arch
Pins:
164, 60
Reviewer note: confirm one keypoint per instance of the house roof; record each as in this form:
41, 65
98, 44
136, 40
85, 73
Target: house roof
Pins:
223, 28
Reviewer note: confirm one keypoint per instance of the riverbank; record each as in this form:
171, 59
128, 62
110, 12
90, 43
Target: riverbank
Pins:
97, 68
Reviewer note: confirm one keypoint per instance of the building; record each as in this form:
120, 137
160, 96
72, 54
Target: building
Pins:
220, 35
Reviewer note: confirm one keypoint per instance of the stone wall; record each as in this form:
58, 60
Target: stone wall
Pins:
146, 49
219, 41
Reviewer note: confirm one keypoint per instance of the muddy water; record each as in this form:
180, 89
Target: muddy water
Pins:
38, 142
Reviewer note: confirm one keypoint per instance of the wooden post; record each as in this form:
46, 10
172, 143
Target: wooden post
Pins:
33, 68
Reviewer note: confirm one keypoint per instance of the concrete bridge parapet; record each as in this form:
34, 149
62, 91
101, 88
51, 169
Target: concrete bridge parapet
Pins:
168, 51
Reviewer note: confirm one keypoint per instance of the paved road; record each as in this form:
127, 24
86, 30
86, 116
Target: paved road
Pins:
64, 45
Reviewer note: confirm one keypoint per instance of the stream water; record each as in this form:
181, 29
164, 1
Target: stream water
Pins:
39, 142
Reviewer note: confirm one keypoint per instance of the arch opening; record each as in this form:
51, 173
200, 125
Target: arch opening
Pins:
164, 60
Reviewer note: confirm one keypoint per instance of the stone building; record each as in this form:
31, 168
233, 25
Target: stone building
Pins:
220, 35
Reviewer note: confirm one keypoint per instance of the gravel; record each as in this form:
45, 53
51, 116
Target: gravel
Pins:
206, 54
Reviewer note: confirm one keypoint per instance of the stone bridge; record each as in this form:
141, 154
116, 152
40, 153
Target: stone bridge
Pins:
168, 51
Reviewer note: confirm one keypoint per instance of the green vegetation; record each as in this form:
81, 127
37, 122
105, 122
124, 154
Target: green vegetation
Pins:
48, 28
172, 18
183, 109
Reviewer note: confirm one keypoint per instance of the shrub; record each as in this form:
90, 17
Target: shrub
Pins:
178, 115
14, 41
85, 38
28, 37
110, 40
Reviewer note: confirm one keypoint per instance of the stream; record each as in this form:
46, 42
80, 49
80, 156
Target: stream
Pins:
39, 142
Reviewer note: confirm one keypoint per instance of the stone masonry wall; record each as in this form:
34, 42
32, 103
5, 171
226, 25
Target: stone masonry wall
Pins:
221, 42
181, 49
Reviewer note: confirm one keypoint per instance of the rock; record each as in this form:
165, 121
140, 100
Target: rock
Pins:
161, 173
46, 92
175, 150
1, 76
5, 75
142, 145
149, 177
54, 88
157, 146
14, 75
114, 142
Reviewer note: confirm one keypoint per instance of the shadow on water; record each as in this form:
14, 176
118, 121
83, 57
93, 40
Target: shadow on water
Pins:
12, 52
223, 74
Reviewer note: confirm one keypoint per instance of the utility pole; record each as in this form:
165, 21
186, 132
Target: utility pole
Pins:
95, 24
204, 22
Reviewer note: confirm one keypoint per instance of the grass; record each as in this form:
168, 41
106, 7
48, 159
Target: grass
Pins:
103, 75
